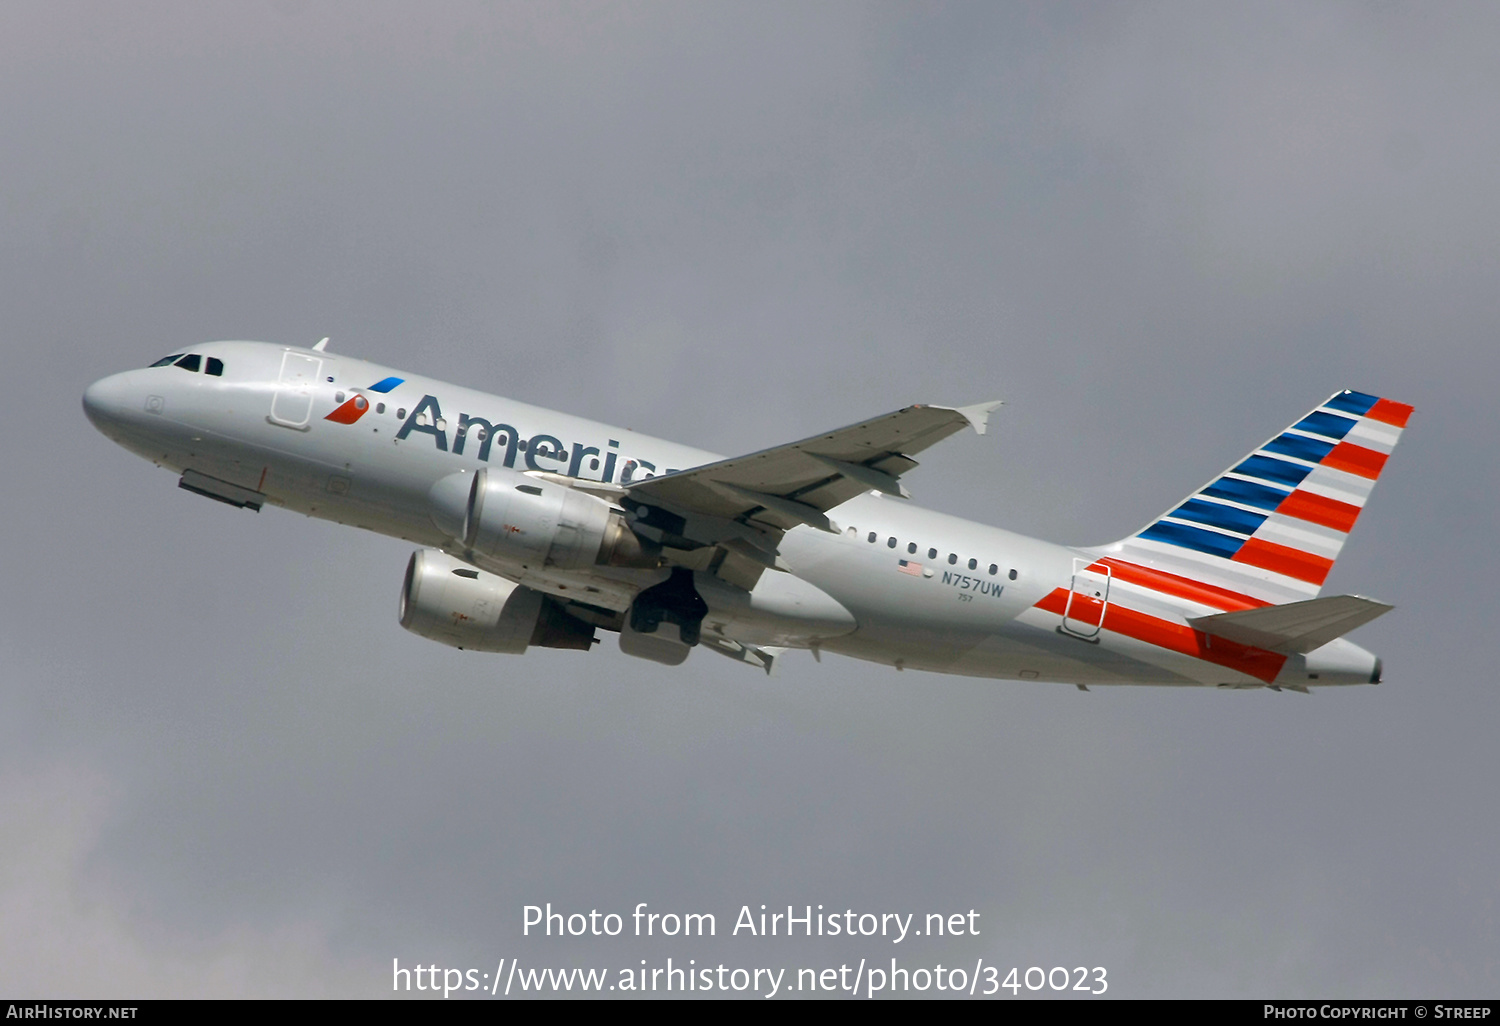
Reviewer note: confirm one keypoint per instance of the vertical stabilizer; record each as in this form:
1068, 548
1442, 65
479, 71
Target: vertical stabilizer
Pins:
1267, 530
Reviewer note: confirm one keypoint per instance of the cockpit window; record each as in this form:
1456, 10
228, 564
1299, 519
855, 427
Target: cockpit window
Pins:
191, 362
215, 367
167, 359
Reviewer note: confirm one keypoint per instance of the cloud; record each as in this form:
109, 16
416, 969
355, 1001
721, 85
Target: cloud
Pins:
68, 931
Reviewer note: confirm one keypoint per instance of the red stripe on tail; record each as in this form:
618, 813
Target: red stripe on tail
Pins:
1356, 459
1282, 560
1179, 587
1319, 509
1388, 412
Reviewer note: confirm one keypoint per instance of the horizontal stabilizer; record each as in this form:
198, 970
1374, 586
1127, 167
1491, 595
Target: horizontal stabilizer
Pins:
1295, 626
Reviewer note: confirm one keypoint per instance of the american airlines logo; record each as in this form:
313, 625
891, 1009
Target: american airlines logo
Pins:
577, 459
355, 407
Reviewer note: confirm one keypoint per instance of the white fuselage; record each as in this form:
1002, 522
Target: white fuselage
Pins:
248, 427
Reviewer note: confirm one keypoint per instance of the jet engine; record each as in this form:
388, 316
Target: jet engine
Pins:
523, 519
446, 600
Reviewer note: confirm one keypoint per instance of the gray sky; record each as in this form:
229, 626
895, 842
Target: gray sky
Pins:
1160, 232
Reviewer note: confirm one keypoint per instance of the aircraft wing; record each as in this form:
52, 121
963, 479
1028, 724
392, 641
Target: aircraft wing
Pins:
743, 505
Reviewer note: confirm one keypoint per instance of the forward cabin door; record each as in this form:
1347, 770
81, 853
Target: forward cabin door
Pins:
1088, 598
292, 405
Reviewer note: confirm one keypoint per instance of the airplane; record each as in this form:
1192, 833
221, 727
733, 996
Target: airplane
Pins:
539, 528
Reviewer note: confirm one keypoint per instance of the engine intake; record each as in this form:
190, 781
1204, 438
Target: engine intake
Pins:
446, 600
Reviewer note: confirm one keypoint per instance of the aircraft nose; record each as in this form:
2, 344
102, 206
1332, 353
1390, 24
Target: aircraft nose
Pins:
105, 401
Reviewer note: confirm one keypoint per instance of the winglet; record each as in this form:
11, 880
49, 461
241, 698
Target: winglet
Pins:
320, 346
977, 415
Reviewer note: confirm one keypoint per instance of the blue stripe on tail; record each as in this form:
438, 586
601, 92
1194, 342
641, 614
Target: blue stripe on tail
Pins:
1247, 492
1326, 424
1268, 468
1356, 403
1300, 447
1211, 542
1216, 514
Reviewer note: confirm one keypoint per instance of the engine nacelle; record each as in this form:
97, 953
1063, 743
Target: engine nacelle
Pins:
523, 519
446, 600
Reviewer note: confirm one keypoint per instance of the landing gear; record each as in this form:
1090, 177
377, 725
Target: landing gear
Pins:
674, 600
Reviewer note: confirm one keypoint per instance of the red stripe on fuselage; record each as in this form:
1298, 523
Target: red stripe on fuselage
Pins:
1355, 459
1388, 412
1180, 587
350, 412
1282, 560
1319, 509
1178, 637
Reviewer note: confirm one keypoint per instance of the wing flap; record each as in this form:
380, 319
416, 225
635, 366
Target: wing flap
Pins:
1293, 626
765, 657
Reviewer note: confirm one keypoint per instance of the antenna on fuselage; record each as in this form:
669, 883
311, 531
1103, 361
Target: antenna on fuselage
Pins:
321, 346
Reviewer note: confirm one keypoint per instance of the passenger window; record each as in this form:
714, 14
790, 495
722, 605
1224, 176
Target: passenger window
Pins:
892, 543
932, 553
338, 397
912, 549
380, 407
165, 360
994, 569
215, 367
952, 558
190, 362
872, 537
973, 564
1013, 575
852, 532
401, 413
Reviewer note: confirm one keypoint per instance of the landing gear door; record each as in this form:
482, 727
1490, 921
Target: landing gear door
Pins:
292, 405
1088, 598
